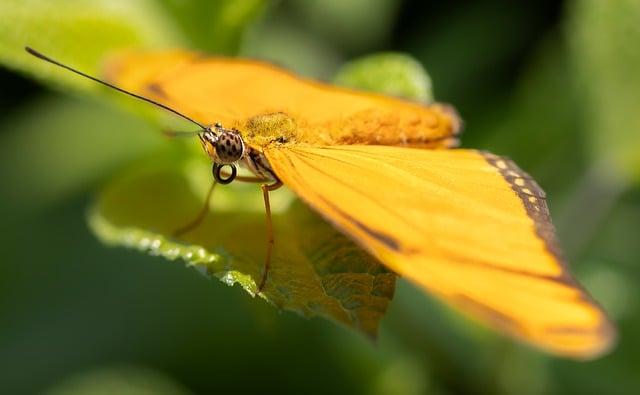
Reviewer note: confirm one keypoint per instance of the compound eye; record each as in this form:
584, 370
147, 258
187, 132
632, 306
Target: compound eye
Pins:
229, 147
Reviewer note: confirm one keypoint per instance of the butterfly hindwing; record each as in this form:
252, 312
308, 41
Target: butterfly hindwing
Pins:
468, 226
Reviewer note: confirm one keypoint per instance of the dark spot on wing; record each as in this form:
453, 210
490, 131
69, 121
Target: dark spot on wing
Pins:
383, 238
572, 330
481, 310
462, 259
156, 90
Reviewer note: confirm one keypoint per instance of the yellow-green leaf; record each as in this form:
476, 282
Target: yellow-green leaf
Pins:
315, 270
79, 32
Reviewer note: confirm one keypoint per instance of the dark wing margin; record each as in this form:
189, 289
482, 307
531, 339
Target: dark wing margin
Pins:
534, 200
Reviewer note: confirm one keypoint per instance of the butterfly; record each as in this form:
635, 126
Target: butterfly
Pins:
465, 225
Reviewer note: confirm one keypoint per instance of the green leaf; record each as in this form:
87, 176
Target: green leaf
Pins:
393, 74
79, 32
604, 36
315, 271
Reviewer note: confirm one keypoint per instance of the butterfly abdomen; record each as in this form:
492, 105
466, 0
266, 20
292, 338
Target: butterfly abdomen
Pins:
436, 127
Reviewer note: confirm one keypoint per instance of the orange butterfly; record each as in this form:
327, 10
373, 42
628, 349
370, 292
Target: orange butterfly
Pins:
465, 225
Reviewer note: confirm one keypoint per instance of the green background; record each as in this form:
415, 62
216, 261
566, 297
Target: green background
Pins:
553, 85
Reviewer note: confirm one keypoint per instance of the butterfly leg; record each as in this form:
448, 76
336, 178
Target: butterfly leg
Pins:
205, 208
266, 188
198, 219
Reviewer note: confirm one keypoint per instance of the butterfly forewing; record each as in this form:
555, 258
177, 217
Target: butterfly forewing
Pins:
450, 221
235, 92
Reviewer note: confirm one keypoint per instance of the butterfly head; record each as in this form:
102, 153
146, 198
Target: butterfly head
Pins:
224, 146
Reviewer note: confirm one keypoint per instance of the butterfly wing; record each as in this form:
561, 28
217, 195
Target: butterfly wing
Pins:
468, 226
235, 91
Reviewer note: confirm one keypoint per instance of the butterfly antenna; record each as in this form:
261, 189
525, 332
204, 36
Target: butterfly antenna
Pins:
175, 133
48, 59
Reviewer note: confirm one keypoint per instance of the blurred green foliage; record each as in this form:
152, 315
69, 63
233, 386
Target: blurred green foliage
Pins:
551, 84
126, 380
214, 26
604, 37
